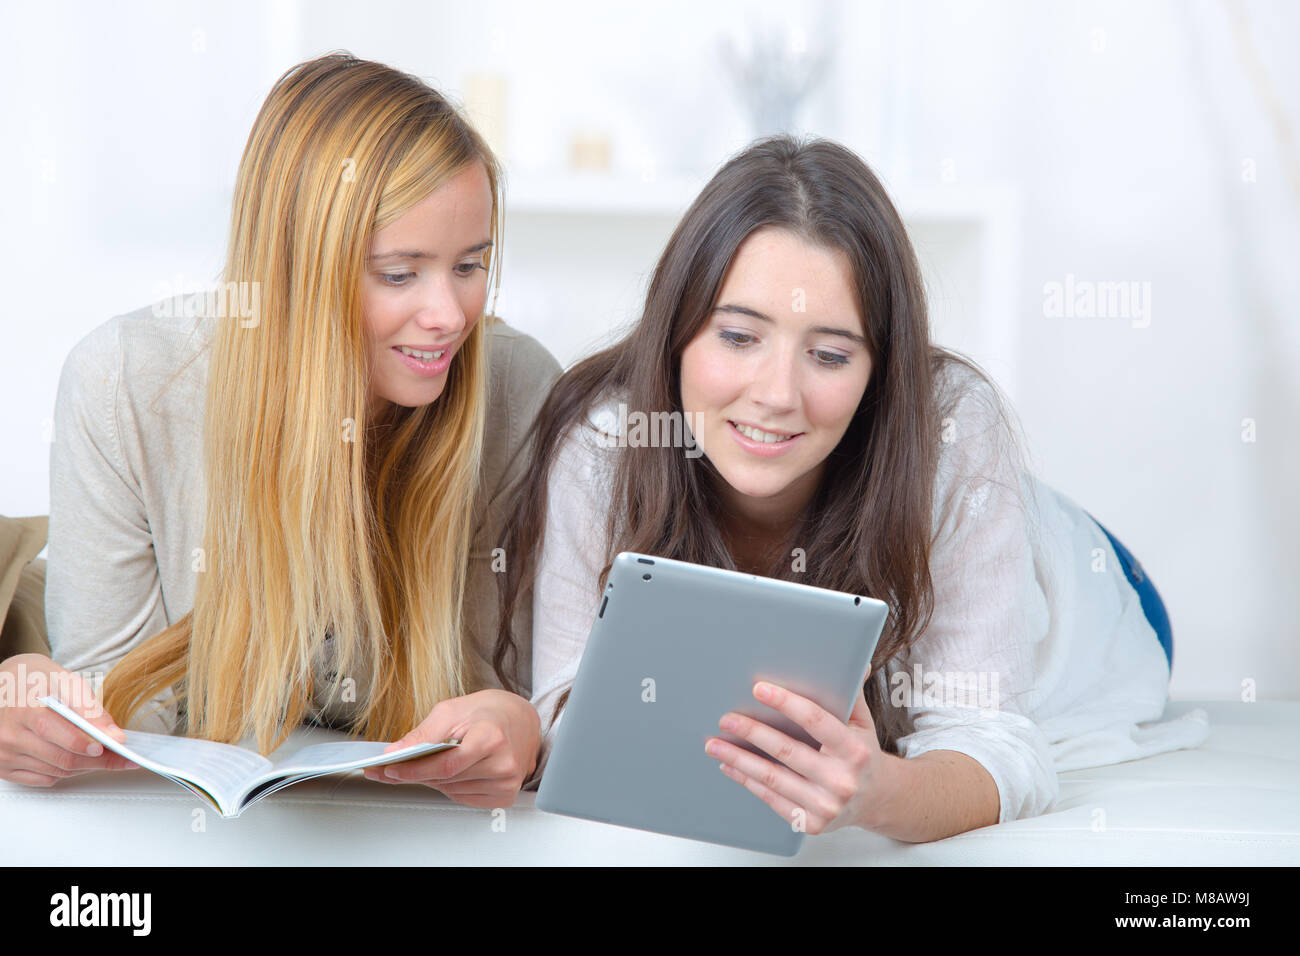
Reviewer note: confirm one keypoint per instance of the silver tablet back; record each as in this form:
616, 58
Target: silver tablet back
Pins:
673, 648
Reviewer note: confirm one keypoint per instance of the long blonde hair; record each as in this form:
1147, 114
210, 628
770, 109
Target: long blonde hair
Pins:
321, 523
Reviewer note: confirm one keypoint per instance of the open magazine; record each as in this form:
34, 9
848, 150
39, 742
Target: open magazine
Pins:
231, 778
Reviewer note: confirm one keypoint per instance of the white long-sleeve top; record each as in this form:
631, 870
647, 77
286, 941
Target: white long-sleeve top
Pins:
1051, 662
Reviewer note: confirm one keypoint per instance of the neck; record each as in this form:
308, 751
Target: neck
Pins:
755, 528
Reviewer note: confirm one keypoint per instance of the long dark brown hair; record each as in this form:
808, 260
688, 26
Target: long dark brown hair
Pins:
869, 527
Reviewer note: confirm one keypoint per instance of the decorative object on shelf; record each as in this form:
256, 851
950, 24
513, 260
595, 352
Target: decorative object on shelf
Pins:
774, 69
589, 151
485, 102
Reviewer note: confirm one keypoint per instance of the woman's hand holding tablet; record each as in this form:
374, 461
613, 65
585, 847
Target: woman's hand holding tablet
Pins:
839, 785
676, 646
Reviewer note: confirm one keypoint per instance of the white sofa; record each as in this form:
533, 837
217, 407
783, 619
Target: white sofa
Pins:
1235, 800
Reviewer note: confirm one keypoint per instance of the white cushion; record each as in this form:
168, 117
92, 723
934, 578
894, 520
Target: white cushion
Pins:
1235, 800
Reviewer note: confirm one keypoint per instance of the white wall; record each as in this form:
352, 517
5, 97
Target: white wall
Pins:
1112, 141
1128, 128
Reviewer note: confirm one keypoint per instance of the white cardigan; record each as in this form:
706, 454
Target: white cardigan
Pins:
127, 496
1051, 662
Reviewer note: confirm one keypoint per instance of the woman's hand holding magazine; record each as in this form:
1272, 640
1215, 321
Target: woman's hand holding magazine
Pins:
231, 778
499, 734
38, 749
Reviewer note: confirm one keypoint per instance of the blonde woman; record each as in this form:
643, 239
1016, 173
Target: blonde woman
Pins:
283, 509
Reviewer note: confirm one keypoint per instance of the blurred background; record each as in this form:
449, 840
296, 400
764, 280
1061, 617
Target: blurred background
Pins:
1105, 199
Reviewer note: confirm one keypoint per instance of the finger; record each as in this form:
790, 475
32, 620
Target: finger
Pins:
795, 754
31, 779
57, 760
30, 764
435, 767
380, 773
77, 693
478, 741
495, 774
786, 809
53, 731
105, 723
861, 716
439, 726
417, 770
797, 790
821, 724
107, 762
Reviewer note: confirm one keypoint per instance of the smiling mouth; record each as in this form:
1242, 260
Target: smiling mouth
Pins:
758, 435
421, 356
426, 363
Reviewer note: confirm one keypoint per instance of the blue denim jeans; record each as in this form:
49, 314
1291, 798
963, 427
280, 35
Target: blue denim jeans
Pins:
1152, 606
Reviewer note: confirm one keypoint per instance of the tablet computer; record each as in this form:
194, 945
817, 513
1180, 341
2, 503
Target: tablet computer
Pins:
674, 647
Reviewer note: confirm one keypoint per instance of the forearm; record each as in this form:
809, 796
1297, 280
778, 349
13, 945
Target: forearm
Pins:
936, 795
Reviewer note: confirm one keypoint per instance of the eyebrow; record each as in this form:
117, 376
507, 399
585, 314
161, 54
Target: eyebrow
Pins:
822, 329
421, 254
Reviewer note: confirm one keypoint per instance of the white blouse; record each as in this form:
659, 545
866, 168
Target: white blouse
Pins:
1038, 658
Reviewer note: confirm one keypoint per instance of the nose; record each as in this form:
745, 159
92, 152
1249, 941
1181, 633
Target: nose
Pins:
775, 385
440, 309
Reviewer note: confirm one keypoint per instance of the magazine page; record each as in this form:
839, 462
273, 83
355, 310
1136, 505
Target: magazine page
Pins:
234, 778
222, 770
333, 757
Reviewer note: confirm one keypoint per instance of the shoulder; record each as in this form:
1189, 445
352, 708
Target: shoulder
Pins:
603, 421
150, 342
978, 428
521, 372
981, 448
519, 364
580, 483
964, 395
587, 451
602, 431
134, 354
